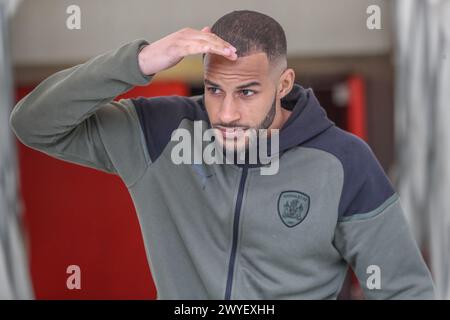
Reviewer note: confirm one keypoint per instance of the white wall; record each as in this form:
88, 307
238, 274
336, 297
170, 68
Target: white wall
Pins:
313, 27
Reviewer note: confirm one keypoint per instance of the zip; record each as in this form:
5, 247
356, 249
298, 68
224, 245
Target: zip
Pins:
237, 213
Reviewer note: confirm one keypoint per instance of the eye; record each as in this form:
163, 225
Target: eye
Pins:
213, 90
248, 93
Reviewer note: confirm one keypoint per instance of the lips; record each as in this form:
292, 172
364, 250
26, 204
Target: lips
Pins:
232, 133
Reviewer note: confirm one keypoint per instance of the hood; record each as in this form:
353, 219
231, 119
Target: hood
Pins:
307, 120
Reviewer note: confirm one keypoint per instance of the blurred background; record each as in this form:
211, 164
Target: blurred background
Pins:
380, 69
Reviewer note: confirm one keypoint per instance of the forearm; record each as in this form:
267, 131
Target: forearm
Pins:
65, 99
384, 256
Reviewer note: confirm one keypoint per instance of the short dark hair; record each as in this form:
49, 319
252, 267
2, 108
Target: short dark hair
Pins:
251, 32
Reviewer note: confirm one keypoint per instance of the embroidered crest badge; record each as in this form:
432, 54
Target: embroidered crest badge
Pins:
293, 206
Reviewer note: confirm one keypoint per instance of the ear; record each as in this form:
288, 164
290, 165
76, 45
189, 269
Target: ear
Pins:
286, 83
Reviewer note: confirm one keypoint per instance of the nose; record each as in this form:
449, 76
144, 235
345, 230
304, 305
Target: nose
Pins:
228, 112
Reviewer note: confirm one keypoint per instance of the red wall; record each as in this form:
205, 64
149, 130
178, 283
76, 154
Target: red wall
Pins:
79, 216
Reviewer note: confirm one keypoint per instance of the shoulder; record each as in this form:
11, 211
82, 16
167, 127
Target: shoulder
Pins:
352, 151
160, 116
173, 107
366, 185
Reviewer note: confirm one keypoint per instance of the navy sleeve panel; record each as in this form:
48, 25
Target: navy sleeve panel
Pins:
366, 186
160, 116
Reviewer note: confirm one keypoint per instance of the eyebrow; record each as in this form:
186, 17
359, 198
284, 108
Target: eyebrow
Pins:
245, 85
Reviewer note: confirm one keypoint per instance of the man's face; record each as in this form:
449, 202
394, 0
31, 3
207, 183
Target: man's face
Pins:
239, 95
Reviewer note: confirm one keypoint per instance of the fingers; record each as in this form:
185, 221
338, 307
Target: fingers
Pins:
215, 40
204, 41
220, 50
203, 46
217, 45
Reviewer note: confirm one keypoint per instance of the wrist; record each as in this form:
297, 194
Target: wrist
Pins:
142, 60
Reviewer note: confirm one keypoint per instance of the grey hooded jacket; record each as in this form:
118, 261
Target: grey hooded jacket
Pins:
224, 231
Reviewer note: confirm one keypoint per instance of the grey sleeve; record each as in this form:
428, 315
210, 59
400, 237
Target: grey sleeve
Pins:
372, 234
379, 247
71, 115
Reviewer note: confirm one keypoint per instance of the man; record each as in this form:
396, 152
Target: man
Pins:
226, 231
